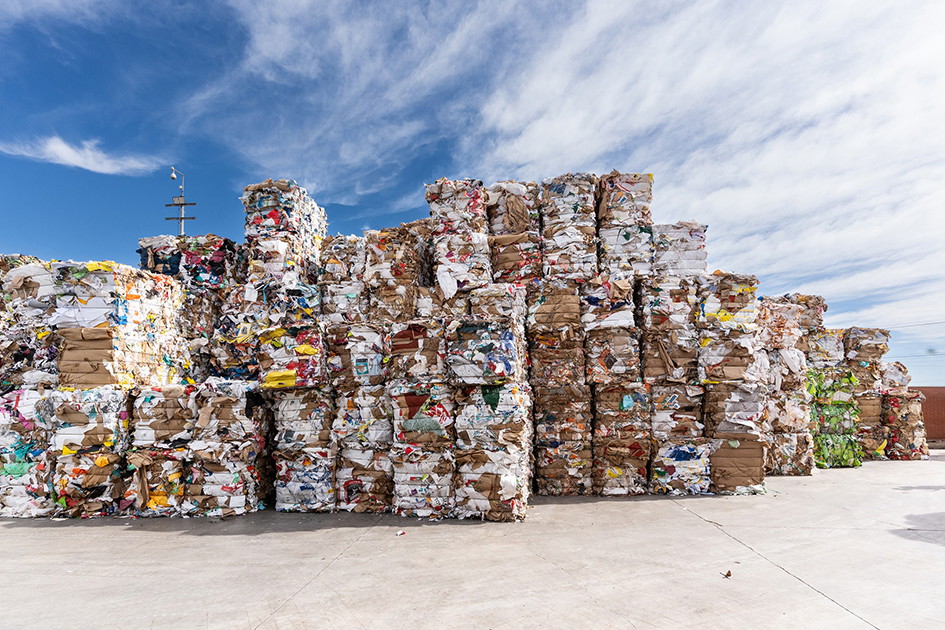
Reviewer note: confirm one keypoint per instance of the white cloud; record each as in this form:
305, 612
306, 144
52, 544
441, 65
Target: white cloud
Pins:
79, 11
87, 155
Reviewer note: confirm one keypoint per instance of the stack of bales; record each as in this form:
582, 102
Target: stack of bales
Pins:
24, 460
624, 224
863, 354
569, 227
514, 231
902, 417
303, 451
790, 443
28, 351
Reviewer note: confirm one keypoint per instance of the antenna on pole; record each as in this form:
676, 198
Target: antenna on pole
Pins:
179, 202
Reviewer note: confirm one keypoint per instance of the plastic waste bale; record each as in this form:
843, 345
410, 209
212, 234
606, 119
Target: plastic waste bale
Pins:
902, 414
735, 409
499, 301
357, 354
613, 356
154, 481
789, 454
462, 261
607, 302
737, 466
626, 249
828, 386
679, 249
417, 350
837, 451
620, 464
364, 480
625, 198
397, 255
163, 417
29, 357
484, 352
668, 303
341, 259
423, 480
292, 357
493, 451
457, 206
393, 303
682, 466
834, 417
89, 432
677, 411
431, 303
671, 355
731, 356
344, 302
823, 347
516, 257
24, 463
513, 208
728, 301
622, 411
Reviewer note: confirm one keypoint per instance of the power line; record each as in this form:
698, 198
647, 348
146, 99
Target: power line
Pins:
922, 324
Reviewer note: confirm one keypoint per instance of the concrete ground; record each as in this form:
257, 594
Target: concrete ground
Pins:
855, 548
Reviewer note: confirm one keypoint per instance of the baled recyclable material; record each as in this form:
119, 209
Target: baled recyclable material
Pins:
292, 357
423, 480
364, 480
787, 370
281, 206
668, 303
303, 419
788, 412
837, 451
417, 350
344, 302
29, 292
894, 377
423, 413
24, 463
397, 255
305, 481
671, 355
163, 417
902, 414
357, 354
872, 433
624, 199
626, 249
484, 352
396, 303
681, 466
564, 468
823, 347
620, 464
29, 357
457, 206
431, 303
500, 301
731, 357
364, 418
812, 311
789, 454
735, 409
569, 199
607, 302
154, 481
206, 260
557, 363
738, 467
679, 249
516, 257
462, 262
513, 208
562, 414
569, 251
613, 356
778, 326
728, 302
341, 259
621, 411
677, 411
554, 307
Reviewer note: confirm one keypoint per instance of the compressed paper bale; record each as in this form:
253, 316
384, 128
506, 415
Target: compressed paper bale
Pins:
223, 415
513, 207
85, 421
364, 480
812, 312
607, 302
738, 467
564, 469
626, 249
554, 307
29, 356
735, 409
621, 411
305, 482
869, 376
154, 482
789, 454
392, 303
837, 451
502, 301
624, 198
234, 355
778, 324
787, 370
423, 413
620, 465
681, 466
364, 418
865, 344
613, 356
282, 206
903, 416
341, 259
431, 303
677, 411
292, 357
344, 302
895, 377
24, 488
202, 261
516, 257
357, 354
24, 432
222, 482
86, 485
277, 258
907, 443
483, 352
29, 293
728, 301
671, 356
457, 205
569, 251
731, 356
668, 303
200, 311
823, 347
788, 412
163, 417
396, 255
557, 362
679, 249
494, 417
462, 262
562, 414
569, 199
417, 350
303, 419
423, 481
491, 485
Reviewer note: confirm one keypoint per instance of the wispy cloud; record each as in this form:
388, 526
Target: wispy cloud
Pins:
87, 155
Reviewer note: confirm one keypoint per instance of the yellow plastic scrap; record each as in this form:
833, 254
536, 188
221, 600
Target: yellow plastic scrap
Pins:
101, 461
279, 378
306, 349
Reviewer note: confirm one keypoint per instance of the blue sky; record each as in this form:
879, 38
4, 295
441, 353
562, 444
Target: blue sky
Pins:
807, 135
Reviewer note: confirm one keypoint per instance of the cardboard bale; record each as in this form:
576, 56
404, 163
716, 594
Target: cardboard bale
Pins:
735, 409
457, 206
787, 370
894, 378
789, 454
201, 261
513, 207
626, 249
397, 255
485, 352
728, 301
812, 311
491, 485
86, 483
357, 354
607, 302
569, 199
561, 366
679, 249
24, 463
569, 251
624, 199
163, 417
423, 413
344, 302
620, 464
364, 480
423, 480
869, 375
462, 262
564, 468
668, 303
613, 356
86, 421
788, 412
234, 355
304, 419
341, 259
671, 356
562, 414
823, 347
417, 350
731, 356
392, 303
494, 417
738, 467
778, 324
292, 357
29, 357
24, 488
431, 304
500, 301
29, 292
262, 306
681, 466
364, 418
902, 414
305, 481
222, 482
621, 411
865, 344
277, 207
154, 482
516, 257
677, 411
